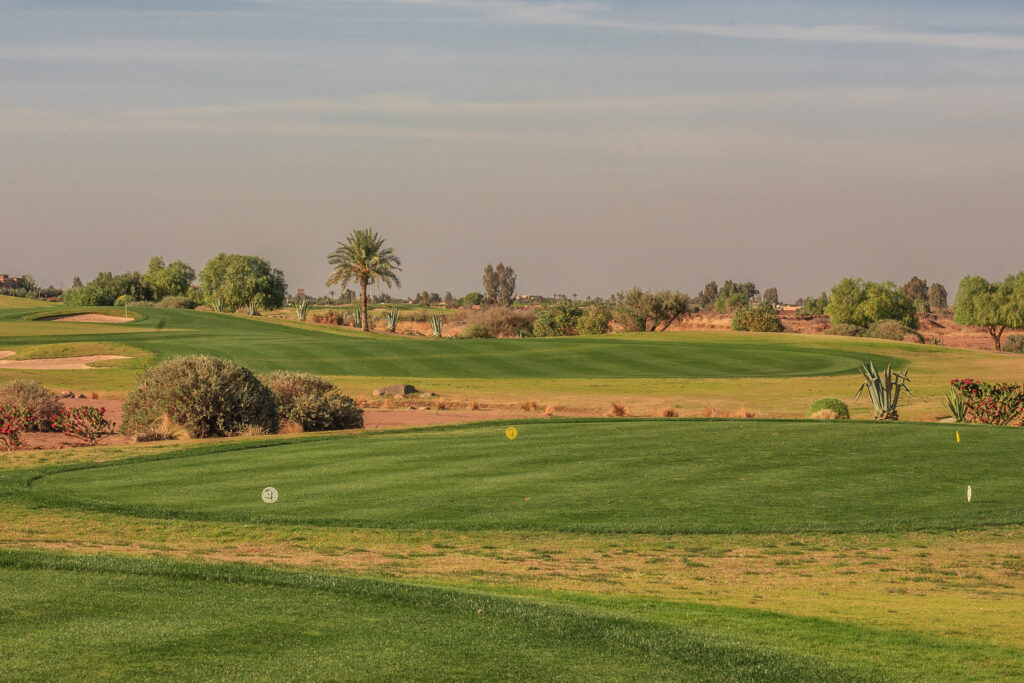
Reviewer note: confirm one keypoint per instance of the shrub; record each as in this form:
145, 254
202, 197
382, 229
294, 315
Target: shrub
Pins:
14, 421
841, 410
27, 394
1014, 343
85, 422
328, 318
887, 329
824, 414
596, 319
618, 410
668, 411
176, 302
991, 404
312, 402
846, 330
559, 319
499, 322
760, 318
206, 396
856, 302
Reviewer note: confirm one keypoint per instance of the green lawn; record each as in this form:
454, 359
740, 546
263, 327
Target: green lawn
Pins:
131, 619
658, 476
264, 345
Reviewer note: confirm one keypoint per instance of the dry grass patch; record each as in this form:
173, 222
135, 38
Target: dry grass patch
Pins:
618, 410
528, 406
668, 411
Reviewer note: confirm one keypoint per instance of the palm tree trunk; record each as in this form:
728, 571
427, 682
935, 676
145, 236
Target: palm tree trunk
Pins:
366, 318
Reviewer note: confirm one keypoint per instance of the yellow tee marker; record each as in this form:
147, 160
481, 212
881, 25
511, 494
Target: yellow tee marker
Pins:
958, 436
511, 433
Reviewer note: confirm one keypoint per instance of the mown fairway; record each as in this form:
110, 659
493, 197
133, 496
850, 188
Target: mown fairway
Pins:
265, 345
677, 476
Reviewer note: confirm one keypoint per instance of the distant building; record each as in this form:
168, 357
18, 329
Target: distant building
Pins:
7, 282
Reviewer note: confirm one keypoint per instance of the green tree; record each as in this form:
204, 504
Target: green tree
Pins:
499, 284
994, 306
916, 289
237, 280
707, 296
856, 302
771, 295
168, 280
472, 299
363, 258
558, 319
641, 311
937, 297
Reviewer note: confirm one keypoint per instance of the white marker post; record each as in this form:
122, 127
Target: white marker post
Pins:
969, 492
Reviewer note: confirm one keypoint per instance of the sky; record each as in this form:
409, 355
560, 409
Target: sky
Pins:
592, 145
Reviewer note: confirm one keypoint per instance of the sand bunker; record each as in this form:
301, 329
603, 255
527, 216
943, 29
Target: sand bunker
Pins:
89, 318
74, 363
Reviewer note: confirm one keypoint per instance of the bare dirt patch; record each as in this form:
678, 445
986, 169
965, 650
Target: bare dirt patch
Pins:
74, 363
403, 417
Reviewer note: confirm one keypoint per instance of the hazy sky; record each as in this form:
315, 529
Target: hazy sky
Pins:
592, 145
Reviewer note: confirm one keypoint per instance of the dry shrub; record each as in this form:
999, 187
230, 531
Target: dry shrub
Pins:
473, 405
744, 413
162, 429
255, 430
386, 404
549, 410
825, 414
290, 427
498, 321
362, 402
668, 411
93, 395
440, 404
28, 394
709, 411
618, 410
528, 406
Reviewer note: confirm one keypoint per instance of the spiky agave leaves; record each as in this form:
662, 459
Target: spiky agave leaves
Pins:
954, 403
884, 389
302, 308
391, 319
436, 323
357, 318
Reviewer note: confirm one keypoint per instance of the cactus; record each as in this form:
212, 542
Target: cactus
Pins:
390, 319
884, 390
302, 308
436, 323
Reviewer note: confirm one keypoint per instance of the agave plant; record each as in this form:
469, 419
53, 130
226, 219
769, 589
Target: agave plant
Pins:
884, 389
357, 318
253, 307
302, 308
954, 403
390, 319
436, 323
218, 305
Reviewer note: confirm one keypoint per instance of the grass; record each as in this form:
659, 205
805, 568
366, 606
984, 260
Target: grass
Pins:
245, 621
676, 476
264, 345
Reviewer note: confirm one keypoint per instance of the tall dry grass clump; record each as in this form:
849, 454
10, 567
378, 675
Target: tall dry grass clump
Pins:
618, 410
549, 411
473, 405
668, 411
528, 406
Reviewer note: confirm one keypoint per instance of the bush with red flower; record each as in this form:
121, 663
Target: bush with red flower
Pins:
13, 421
86, 423
990, 403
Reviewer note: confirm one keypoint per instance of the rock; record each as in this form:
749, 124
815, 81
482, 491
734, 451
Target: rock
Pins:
81, 396
67, 394
428, 394
396, 390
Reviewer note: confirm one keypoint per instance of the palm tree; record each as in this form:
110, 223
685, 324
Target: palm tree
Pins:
364, 259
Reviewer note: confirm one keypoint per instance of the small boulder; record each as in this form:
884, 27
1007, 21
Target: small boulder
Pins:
67, 394
81, 396
396, 390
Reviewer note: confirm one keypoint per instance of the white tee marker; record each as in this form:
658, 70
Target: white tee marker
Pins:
269, 495
969, 492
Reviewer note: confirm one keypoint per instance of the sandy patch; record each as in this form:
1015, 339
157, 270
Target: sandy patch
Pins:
73, 363
89, 318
